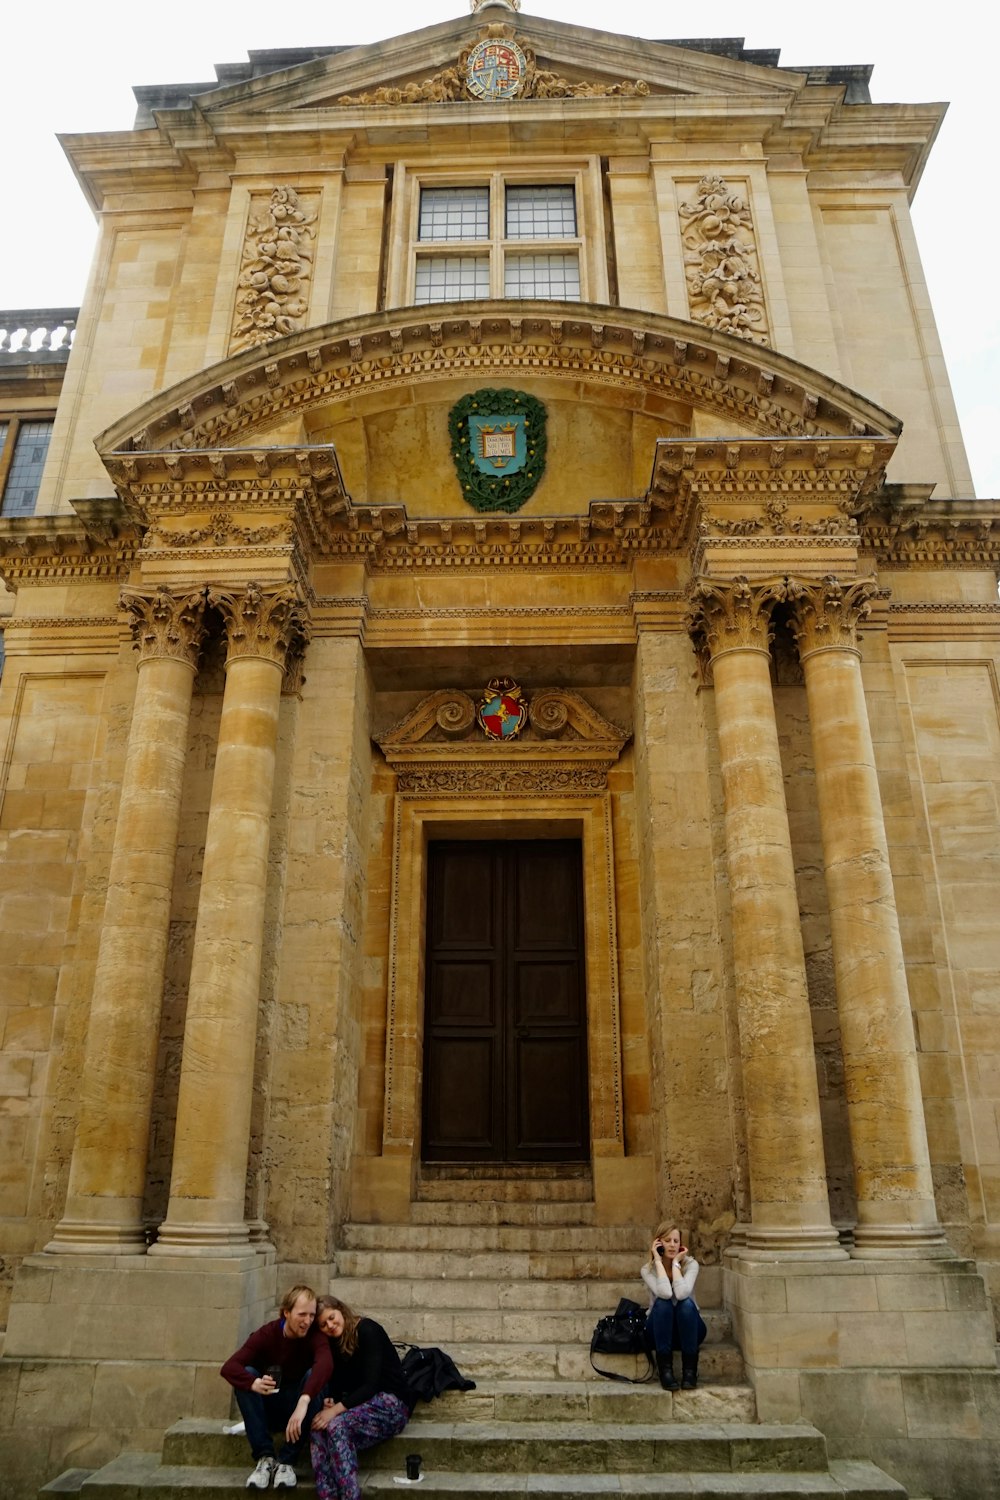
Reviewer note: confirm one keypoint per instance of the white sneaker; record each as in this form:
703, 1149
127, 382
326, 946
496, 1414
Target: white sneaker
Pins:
284, 1477
261, 1476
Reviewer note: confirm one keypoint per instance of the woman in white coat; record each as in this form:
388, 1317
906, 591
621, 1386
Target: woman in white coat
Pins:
673, 1321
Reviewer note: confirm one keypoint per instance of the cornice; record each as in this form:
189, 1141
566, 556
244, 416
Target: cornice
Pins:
54, 548
935, 534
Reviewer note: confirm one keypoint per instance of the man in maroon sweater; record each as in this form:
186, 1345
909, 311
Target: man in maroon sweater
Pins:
280, 1376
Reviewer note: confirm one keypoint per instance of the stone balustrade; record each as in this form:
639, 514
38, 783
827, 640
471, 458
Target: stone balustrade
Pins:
33, 333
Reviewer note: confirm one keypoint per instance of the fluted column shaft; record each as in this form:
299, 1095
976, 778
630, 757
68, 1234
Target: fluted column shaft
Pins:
790, 1204
895, 1197
211, 1143
108, 1168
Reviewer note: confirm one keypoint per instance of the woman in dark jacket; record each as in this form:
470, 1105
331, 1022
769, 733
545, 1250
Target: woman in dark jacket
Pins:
369, 1399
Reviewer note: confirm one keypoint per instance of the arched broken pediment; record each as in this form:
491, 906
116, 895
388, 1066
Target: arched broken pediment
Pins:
756, 390
198, 445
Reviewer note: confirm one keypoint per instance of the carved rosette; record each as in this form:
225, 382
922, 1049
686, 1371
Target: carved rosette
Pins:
166, 624
721, 263
825, 616
275, 269
733, 616
272, 625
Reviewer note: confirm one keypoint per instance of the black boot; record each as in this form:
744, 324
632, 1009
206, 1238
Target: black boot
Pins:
665, 1370
689, 1372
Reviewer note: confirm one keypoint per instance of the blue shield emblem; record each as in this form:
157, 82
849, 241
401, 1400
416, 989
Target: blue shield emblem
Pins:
499, 443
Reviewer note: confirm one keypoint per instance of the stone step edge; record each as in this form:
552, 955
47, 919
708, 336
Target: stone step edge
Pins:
854, 1478
799, 1434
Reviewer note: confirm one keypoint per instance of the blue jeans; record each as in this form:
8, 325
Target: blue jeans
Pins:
265, 1415
675, 1325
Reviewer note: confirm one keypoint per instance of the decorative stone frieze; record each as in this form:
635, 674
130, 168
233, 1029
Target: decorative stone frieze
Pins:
765, 392
720, 260
273, 295
165, 624
826, 615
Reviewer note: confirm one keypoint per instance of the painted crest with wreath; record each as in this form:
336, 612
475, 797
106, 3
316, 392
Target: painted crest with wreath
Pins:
498, 443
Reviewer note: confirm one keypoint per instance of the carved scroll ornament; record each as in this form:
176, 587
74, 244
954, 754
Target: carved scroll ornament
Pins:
720, 259
273, 296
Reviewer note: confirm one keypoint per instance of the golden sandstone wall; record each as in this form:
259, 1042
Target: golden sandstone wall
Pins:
691, 882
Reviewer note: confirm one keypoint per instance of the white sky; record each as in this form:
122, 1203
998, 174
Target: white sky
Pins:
70, 67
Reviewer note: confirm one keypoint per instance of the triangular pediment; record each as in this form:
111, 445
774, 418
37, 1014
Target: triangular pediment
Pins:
563, 61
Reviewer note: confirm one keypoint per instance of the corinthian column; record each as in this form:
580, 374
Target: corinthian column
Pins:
108, 1169
790, 1206
896, 1209
208, 1178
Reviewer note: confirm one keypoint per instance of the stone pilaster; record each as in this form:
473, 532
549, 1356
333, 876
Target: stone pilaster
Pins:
266, 631
790, 1206
107, 1174
896, 1209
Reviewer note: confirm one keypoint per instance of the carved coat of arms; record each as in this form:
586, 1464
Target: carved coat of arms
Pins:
495, 69
503, 713
498, 442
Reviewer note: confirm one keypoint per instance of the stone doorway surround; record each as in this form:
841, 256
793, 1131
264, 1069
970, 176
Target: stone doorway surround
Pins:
452, 783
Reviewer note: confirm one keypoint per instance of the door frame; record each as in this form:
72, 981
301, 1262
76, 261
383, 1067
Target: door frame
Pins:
418, 820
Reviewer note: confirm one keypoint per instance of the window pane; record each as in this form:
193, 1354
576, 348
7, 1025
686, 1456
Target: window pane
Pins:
455, 213
452, 278
554, 276
541, 213
25, 473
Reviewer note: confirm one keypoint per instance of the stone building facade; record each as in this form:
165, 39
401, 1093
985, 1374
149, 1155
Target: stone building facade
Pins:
500, 678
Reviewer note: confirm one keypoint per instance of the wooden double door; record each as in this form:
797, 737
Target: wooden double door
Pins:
505, 1035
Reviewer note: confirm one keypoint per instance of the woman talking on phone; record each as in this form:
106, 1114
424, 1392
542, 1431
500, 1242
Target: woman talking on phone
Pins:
673, 1321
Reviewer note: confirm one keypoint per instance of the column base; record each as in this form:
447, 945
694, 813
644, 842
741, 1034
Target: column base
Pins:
202, 1239
893, 1241
792, 1242
84, 1237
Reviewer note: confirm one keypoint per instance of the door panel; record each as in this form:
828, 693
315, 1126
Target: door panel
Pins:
505, 1075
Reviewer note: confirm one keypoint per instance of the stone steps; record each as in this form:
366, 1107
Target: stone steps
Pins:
494, 1185
531, 1237
571, 1212
500, 1265
567, 1459
377, 1295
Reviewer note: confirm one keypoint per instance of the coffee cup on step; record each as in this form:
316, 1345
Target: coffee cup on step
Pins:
413, 1462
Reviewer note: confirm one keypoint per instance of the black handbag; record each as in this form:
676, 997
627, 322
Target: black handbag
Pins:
622, 1332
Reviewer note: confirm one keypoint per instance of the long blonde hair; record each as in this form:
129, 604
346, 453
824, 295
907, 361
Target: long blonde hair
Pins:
348, 1341
661, 1233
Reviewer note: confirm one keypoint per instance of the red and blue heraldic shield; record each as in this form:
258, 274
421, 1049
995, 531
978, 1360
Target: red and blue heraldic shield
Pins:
503, 711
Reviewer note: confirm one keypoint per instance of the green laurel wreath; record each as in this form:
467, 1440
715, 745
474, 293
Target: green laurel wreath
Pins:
496, 491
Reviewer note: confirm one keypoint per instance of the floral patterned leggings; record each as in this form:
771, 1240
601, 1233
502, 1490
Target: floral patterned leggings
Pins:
335, 1448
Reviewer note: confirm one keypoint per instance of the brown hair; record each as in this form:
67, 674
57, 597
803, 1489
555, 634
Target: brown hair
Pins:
292, 1296
348, 1341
